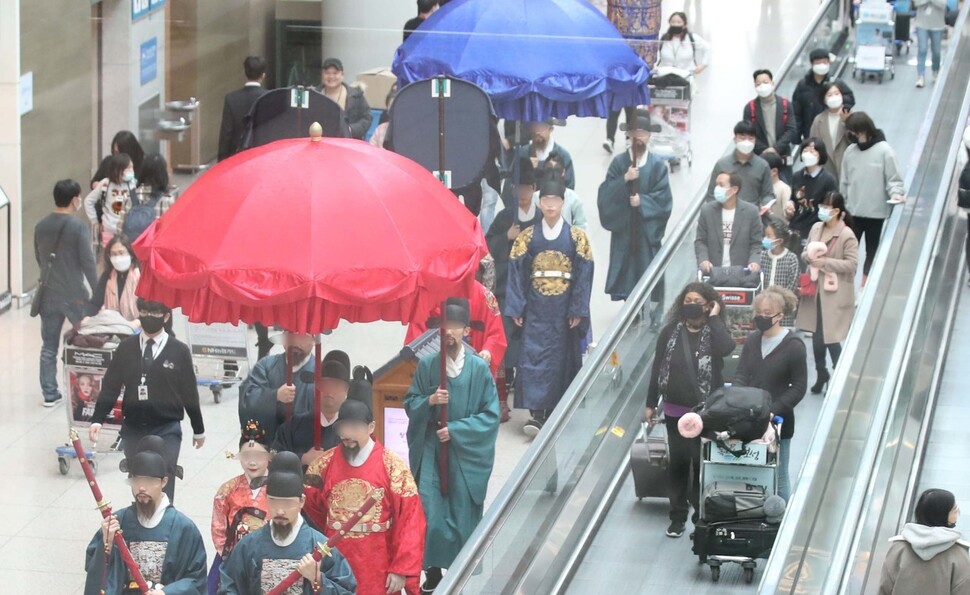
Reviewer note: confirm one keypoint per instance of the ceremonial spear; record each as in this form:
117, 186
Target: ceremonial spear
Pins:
105, 507
443, 420
324, 549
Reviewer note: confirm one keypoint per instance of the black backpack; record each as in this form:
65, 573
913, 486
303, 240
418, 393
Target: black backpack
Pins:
740, 411
139, 217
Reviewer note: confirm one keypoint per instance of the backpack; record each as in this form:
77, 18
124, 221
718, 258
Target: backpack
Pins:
741, 412
693, 48
139, 217
784, 112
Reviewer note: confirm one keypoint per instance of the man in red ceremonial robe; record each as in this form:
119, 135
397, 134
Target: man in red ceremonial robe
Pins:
386, 548
487, 336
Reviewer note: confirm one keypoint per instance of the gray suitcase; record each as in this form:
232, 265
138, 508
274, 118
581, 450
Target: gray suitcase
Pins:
648, 460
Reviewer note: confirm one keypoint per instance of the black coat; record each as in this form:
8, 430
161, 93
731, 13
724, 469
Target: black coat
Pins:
357, 112
500, 247
172, 389
808, 103
681, 388
784, 374
296, 435
815, 190
786, 126
235, 110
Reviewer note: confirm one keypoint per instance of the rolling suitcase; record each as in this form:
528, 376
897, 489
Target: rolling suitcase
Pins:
648, 459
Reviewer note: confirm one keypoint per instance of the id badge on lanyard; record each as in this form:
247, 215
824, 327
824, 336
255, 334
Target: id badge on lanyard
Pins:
143, 389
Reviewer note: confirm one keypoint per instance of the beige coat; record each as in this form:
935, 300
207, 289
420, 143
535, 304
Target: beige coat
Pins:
838, 307
835, 146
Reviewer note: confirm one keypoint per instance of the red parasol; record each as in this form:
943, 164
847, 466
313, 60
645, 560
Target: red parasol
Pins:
305, 233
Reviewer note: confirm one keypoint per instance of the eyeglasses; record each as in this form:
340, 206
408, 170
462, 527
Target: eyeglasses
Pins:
767, 314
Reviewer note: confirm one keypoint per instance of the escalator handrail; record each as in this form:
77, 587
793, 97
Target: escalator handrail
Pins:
553, 428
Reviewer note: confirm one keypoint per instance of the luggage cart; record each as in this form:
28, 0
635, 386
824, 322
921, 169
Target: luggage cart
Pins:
219, 354
670, 92
875, 42
84, 369
741, 540
738, 311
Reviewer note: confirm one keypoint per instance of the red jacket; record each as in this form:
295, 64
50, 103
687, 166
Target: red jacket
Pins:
487, 329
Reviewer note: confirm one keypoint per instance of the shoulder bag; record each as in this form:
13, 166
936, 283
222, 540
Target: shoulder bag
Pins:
45, 274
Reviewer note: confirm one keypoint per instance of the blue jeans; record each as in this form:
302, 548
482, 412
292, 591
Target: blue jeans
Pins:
784, 482
52, 317
935, 38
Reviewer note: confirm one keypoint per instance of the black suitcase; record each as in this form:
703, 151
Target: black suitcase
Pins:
746, 539
648, 459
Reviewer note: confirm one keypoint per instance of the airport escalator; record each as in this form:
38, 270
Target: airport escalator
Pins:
567, 522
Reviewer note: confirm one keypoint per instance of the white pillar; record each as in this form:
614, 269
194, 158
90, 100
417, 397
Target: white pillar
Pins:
364, 33
10, 177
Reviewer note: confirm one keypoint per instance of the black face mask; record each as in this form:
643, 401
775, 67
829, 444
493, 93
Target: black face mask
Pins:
675, 30
151, 324
693, 311
764, 323
852, 137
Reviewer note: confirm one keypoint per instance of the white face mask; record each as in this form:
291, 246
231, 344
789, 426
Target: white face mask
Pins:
833, 101
121, 263
744, 146
810, 159
821, 69
765, 89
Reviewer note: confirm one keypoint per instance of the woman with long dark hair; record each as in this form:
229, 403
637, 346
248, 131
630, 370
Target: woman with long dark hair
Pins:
116, 288
125, 142
111, 197
686, 369
828, 312
928, 557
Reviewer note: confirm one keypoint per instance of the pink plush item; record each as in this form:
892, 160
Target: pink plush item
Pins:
690, 425
815, 250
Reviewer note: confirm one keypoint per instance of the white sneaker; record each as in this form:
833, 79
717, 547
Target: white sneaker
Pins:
608, 146
920, 83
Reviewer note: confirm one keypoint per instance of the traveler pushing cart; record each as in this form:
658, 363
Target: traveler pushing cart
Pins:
875, 41
670, 92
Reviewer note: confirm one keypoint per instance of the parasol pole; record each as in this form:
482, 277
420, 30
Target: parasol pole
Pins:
325, 549
634, 185
317, 381
105, 507
443, 409
288, 362
442, 81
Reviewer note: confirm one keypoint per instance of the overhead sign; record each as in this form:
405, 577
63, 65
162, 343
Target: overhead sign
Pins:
140, 8
148, 60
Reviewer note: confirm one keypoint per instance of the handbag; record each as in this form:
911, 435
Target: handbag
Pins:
44, 274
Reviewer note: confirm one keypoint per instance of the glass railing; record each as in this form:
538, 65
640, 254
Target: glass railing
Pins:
531, 528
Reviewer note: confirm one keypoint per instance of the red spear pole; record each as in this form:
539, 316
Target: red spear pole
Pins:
443, 420
105, 507
324, 548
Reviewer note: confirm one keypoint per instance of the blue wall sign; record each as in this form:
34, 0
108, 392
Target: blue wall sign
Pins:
148, 60
140, 8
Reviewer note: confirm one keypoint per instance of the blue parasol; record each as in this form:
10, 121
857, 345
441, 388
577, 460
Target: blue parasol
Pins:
536, 59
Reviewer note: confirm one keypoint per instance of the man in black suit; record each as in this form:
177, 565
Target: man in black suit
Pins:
155, 370
237, 106
235, 110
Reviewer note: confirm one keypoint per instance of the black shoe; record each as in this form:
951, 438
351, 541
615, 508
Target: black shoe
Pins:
676, 529
532, 427
55, 402
821, 381
432, 576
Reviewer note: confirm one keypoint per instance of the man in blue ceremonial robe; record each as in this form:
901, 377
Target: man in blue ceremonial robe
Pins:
265, 394
549, 285
637, 218
469, 437
263, 558
166, 544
